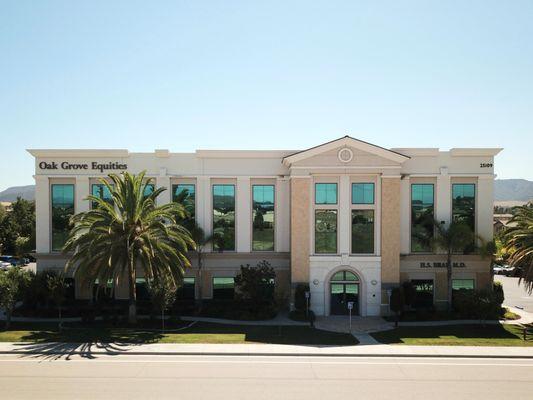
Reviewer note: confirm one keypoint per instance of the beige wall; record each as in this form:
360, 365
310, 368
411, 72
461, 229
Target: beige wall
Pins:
300, 226
390, 231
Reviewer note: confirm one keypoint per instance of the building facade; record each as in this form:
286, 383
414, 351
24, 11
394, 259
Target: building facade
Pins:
347, 217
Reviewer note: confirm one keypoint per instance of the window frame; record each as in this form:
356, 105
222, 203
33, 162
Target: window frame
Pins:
430, 251
234, 185
353, 184
336, 184
336, 211
51, 210
174, 186
253, 185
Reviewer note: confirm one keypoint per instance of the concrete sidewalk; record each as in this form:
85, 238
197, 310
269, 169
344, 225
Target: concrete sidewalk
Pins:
94, 350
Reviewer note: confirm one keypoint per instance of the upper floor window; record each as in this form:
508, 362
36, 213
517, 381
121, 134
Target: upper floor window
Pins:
101, 191
62, 210
325, 231
362, 193
422, 217
464, 204
325, 193
185, 193
263, 198
148, 189
362, 231
224, 217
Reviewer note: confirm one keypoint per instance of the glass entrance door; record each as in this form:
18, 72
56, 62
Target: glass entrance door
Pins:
341, 294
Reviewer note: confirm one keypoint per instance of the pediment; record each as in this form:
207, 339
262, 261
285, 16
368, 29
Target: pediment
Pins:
345, 151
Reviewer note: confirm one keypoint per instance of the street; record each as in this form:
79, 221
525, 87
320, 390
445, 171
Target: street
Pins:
253, 377
515, 295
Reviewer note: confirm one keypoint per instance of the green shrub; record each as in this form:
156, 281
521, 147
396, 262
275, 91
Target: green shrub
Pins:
255, 285
497, 289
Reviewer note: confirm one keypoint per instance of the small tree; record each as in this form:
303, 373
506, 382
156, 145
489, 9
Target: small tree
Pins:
201, 239
13, 282
452, 239
397, 301
409, 292
163, 295
56, 290
255, 285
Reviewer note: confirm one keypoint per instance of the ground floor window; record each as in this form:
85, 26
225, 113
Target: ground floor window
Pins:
463, 284
142, 289
424, 292
223, 288
187, 289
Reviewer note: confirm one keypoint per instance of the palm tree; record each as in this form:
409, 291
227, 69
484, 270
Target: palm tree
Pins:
519, 243
452, 239
201, 240
131, 231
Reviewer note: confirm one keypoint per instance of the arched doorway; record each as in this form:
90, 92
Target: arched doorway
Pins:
344, 287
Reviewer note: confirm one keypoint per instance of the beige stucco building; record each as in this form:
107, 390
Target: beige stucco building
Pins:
347, 217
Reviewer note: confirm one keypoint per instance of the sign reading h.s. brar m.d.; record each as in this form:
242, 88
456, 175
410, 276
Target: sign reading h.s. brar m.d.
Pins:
69, 166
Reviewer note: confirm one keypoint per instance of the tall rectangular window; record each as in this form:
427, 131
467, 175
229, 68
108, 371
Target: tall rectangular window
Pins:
101, 191
325, 231
464, 204
325, 193
223, 288
362, 193
362, 231
422, 217
185, 193
62, 210
263, 198
224, 217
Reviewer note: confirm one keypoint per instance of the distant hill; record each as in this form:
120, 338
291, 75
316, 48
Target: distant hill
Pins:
519, 190
25, 192
513, 189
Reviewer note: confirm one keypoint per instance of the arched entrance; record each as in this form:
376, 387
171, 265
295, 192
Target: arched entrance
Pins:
343, 288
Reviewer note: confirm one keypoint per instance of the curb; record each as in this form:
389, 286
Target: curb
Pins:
241, 354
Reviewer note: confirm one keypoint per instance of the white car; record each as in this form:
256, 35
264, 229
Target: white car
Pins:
4, 265
500, 269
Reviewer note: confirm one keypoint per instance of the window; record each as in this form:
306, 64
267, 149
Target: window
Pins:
362, 231
263, 218
325, 193
344, 276
463, 284
224, 217
325, 231
422, 217
424, 292
100, 190
362, 193
185, 194
141, 286
464, 204
62, 210
223, 288
187, 290
149, 189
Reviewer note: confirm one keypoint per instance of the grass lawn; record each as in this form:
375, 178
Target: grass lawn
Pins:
198, 333
455, 335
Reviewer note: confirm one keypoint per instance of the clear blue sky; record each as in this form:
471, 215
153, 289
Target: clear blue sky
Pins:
185, 75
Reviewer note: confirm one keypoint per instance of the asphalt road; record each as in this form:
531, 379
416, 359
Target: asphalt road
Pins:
250, 377
515, 295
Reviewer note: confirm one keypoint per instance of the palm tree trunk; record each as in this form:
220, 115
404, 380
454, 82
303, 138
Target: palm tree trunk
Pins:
132, 310
200, 281
449, 279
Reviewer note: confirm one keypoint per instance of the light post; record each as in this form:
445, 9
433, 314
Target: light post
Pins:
350, 307
307, 295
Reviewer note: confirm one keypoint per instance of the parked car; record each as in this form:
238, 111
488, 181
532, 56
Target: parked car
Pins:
4, 265
499, 269
12, 260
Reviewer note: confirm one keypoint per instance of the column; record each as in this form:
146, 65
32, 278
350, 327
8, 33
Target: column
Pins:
390, 231
42, 212
344, 218
243, 214
484, 206
443, 197
300, 229
405, 215
82, 190
282, 222
164, 181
